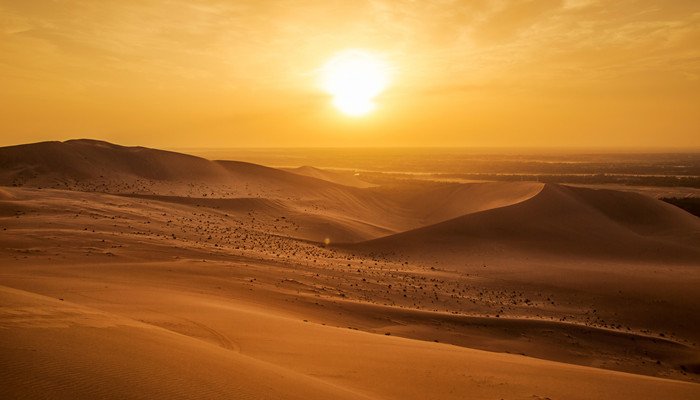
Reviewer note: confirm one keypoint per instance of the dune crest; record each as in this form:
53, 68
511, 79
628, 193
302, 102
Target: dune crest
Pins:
341, 179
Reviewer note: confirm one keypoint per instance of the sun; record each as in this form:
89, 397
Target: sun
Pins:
354, 78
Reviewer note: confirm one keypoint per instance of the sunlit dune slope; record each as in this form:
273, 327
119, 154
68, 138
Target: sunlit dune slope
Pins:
442, 202
330, 176
61, 349
54, 349
560, 220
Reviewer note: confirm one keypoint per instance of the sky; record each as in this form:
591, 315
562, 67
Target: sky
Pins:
482, 73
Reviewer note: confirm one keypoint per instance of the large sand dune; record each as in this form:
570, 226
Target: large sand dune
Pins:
325, 209
561, 220
101, 166
133, 272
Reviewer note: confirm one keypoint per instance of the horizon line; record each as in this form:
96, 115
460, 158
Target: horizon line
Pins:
606, 149
475, 148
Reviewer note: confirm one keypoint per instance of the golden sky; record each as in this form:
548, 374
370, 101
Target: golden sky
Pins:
209, 73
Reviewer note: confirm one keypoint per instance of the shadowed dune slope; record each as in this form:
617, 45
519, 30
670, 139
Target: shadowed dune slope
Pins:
561, 220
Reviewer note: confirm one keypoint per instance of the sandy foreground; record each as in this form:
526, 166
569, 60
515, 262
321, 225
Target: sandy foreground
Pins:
128, 285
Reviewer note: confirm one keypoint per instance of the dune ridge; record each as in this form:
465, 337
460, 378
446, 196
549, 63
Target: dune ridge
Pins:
341, 179
562, 220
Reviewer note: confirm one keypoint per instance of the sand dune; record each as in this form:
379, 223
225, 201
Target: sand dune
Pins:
54, 349
100, 166
161, 257
85, 159
438, 203
324, 209
140, 332
562, 220
459, 219
569, 219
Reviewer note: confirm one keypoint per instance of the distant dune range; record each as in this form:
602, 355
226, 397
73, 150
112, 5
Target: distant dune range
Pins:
152, 250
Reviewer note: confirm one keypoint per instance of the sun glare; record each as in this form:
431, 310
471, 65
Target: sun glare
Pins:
354, 78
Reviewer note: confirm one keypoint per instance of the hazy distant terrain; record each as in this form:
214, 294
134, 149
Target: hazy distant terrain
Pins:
680, 169
362, 274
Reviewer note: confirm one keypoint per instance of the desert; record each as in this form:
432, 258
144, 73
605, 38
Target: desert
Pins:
135, 272
333, 199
